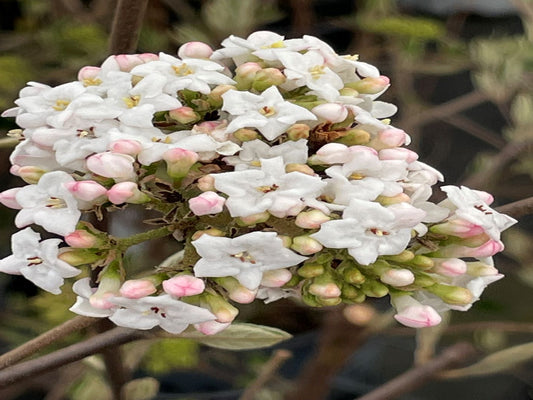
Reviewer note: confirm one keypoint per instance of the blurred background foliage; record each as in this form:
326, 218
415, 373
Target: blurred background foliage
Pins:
462, 78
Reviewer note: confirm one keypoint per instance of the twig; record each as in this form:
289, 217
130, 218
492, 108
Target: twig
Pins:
269, 369
126, 26
43, 340
302, 16
475, 130
518, 208
418, 376
75, 352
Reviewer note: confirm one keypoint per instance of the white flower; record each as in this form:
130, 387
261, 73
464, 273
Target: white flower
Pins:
83, 306
367, 230
472, 208
37, 261
268, 112
49, 204
269, 295
170, 314
269, 189
245, 257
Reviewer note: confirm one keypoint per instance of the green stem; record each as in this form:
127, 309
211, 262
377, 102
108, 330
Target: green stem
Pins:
124, 243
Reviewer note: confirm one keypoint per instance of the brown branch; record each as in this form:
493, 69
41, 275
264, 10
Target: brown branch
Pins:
67, 355
303, 17
267, 372
129, 15
518, 208
418, 376
53, 335
475, 130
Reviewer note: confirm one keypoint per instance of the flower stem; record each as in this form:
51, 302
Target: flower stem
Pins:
124, 243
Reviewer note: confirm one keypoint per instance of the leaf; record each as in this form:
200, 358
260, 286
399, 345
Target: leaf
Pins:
241, 336
500, 361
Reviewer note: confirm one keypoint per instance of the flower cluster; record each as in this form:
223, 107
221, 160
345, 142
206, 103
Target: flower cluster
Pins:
269, 159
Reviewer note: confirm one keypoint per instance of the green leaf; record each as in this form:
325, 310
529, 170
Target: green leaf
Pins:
500, 361
241, 336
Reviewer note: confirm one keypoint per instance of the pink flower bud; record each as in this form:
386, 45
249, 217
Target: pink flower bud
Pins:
247, 70
112, 165
458, 227
207, 203
126, 192
31, 174
486, 250
266, 78
418, 317
333, 153
331, 112
195, 50
328, 290
305, 245
254, 219
102, 300
397, 277
311, 219
82, 239
392, 137
449, 266
183, 285
137, 288
487, 198
370, 85
184, 115
86, 190
8, 198
211, 327
276, 277
126, 146
147, 57
398, 153
126, 62
206, 183
14, 170
89, 75
179, 161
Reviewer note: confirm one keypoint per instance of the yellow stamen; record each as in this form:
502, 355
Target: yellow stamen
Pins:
91, 82
61, 105
54, 202
132, 101
267, 111
182, 70
276, 45
356, 176
317, 71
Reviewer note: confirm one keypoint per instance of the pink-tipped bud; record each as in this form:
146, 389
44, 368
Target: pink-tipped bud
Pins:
298, 131
108, 287
195, 50
8, 198
89, 76
126, 192
247, 70
206, 183
245, 134
398, 153
266, 78
478, 268
302, 168
184, 115
414, 314
211, 232
126, 62
254, 219
485, 250
137, 288
305, 245
211, 327
449, 266
31, 174
328, 290
14, 170
86, 190
276, 278
183, 285
331, 112
390, 200
126, 146
311, 219
333, 153
112, 165
82, 239
458, 227
224, 311
179, 161
207, 203
370, 85
397, 277
391, 137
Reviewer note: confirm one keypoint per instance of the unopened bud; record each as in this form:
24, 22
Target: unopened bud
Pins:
183, 285
236, 291
77, 257
276, 278
310, 270
89, 191
414, 314
305, 245
311, 219
215, 96
298, 131
449, 266
457, 227
207, 203
389, 138
179, 162
354, 137
374, 289
223, 310
112, 165
324, 288
404, 256
206, 183
398, 153
353, 275
195, 50
349, 92
370, 85
389, 200
109, 282
302, 168
211, 232
81, 239
126, 146
184, 115
478, 268
31, 174
422, 261
397, 277
330, 112
126, 192
8, 198
455, 295
245, 75
245, 134
137, 288
266, 78
254, 219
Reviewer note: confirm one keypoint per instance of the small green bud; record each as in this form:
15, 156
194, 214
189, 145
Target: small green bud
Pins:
374, 289
310, 270
452, 294
422, 262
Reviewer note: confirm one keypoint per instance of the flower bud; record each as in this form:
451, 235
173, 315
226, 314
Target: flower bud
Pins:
351, 274
77, 257
352, 294
422, 262
89, 76
109, 282
184, 115
89, 191
455, 295
389, 138
330, 112
183, 285
457, 227
267, 77
245, 134
298, 131
354, 137
302, 168
8, 198
324, 286
207, 203
310, 270
349, 92
333, 153
414, 314
478, 268
81, 239
311, 219
195, 50
31, 174
206, 183
403, 257
397, 277
374, 289
473, 241
370, 85
245, 75
211, 231
305, 245
398, 153
236, 291
126, 62
179, 162
126, 192
112, 165
276, 278
126, 146
137, 288
253, 219
449, 266
399, 198
211, 327
215, 96
223, 311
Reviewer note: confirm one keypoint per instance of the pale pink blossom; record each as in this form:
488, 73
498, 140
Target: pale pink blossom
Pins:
207, 203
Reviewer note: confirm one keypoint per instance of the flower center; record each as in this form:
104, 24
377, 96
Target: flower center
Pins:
244, 256
91, 82
132, 101
85, 133
268, 189
267, 111
276, 45
378, 232
157, 310
182, 70
34, 261
54, 202
61, 104
353, 57
317, 71
356, 176
166, 140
